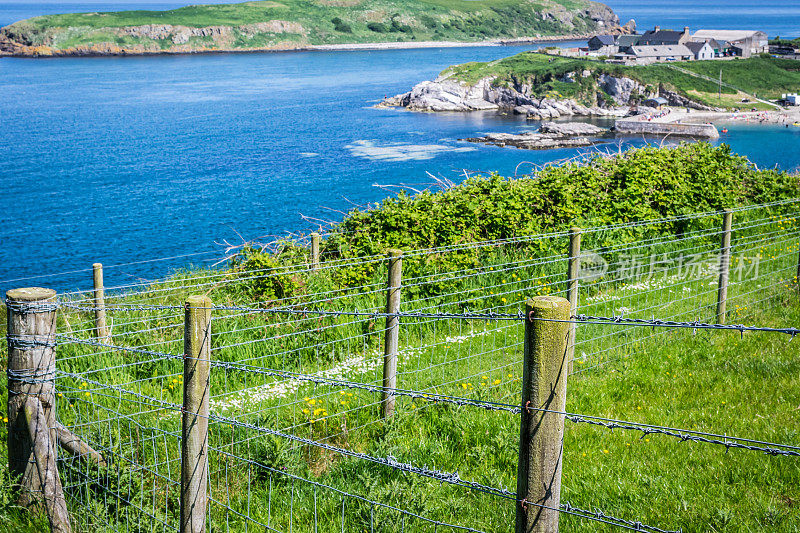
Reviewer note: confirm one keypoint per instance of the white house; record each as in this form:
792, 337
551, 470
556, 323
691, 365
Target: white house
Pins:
701, 51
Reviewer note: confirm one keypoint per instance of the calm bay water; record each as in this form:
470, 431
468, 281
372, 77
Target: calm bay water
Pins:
126, 159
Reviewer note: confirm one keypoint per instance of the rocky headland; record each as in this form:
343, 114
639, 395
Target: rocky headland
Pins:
609, 96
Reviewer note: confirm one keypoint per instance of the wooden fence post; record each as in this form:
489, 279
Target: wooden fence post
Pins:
392, 333
100, 327
314, 251
196, 392
724, 266
544, 387
31, 400
573, 272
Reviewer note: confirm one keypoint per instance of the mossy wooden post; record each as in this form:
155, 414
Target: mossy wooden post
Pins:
573, 271
544, 387
31, 401
314, 251
724, 265
100, 327
392, 333
196, 392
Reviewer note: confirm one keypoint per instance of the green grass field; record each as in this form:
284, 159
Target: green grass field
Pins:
719, 382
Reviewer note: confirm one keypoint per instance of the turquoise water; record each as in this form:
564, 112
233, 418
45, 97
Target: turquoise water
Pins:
119, 160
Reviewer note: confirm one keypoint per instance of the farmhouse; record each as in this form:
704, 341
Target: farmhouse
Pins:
658, 37
662, 53
670, 45
744, 43
701, 51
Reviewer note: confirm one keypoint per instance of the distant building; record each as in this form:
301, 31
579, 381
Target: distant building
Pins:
721, 48
657, 37
701, 51
791, 99
603, 45
744, 43
662, 53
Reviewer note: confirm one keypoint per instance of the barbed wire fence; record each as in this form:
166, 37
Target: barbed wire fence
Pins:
299, 379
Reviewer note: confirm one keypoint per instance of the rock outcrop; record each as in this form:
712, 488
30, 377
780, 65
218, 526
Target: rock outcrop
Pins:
550, 135
621, 89
571, 129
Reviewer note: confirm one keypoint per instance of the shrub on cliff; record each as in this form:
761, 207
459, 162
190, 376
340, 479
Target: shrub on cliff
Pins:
640, 184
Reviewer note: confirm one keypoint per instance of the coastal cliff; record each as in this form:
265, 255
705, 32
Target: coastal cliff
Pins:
304, 24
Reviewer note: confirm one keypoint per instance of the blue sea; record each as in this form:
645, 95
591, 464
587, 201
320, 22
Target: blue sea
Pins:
123, 160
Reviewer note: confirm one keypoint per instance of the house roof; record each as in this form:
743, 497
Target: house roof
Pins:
607, 40
665, 50
727, 35
661, 37
657, 100
696, 47
628, 40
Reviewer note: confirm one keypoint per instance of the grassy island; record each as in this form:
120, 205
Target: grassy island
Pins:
290, 24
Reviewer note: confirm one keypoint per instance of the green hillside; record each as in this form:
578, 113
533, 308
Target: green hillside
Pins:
767, 77
298, 23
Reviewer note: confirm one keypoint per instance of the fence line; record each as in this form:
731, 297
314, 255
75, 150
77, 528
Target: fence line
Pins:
459, 325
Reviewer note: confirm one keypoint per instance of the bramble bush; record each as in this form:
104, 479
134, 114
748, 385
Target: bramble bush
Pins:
639, 184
